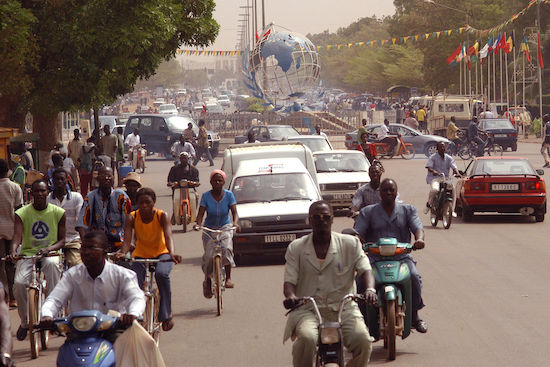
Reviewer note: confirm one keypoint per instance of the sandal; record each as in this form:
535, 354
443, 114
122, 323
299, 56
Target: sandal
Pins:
229, 284
168, 324
207, 288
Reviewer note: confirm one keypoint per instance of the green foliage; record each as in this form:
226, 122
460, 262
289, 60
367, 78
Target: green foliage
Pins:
535, 127
89, 52
255, 105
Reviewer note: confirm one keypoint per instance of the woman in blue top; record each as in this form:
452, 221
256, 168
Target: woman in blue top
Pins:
217, 203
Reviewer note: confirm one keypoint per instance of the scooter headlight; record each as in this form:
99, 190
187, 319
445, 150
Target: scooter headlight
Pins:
84, 324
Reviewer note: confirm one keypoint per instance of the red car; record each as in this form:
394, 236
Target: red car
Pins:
501, 184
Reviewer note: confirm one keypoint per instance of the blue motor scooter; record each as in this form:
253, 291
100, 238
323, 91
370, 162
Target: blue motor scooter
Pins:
86, 344
392, 315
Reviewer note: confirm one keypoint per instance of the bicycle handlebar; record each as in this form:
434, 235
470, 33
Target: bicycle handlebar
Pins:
197, 227
27, 257
112, 255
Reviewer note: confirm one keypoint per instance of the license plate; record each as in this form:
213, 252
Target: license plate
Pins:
342, 196
279, 238
505, 187
501, 135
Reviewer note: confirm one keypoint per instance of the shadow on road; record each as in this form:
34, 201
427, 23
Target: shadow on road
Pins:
199, 313
196, 261
378, 355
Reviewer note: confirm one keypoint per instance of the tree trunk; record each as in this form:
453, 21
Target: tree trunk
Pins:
49, 129
10, 114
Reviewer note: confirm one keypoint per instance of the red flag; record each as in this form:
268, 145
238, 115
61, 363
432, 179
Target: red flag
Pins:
501, 43
453, 56
541, 63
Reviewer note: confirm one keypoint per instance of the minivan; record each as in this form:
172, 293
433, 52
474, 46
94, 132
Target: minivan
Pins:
159, 132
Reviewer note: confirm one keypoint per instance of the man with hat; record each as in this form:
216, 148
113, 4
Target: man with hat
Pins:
184, 171
132, 183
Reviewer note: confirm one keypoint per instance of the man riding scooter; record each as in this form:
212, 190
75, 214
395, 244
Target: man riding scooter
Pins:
184, 171
439, 165
384, 136
180, 146
391, 219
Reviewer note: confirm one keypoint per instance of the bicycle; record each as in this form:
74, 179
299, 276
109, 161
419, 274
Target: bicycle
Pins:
35, 299
470, 149
217, 276
150, 321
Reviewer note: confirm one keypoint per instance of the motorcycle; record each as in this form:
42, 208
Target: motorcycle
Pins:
330, 347
392, 315
86, 344
184, 203
442, 206
138, 157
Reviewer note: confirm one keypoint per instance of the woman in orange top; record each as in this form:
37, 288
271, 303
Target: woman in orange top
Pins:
153, 240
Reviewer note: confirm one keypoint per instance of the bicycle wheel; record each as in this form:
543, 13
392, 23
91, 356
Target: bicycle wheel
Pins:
218, 282
464, 152
184, 216
494, 150
407, 152
32, 318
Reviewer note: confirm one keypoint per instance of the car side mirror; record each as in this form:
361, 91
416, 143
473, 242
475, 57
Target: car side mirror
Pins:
540, 172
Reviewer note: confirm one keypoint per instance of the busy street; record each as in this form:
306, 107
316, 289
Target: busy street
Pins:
483, 288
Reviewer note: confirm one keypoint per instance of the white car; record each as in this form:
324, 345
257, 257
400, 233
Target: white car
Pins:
223, 100
168, 109
214, 108
340, 173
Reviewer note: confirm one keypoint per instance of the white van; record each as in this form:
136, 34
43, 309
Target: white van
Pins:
274, 191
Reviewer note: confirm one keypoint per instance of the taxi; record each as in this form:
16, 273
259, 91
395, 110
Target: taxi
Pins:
501, 184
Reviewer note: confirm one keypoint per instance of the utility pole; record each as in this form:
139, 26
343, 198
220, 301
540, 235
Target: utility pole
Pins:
540, 69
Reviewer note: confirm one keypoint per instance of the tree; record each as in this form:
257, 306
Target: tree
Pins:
89, 52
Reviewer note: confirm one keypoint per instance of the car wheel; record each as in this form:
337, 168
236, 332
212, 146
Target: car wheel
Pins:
467, 214
431, 148
514, 147
539, 217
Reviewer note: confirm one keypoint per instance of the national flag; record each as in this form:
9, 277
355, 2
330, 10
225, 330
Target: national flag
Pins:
484, 52
474, 49
494, 44
541, 63
509, 45
500, 44
462, 53
452, 57
525, 48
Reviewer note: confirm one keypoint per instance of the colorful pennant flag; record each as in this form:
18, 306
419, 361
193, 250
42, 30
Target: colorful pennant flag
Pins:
525, 48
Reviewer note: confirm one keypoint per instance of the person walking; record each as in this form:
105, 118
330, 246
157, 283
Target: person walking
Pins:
119, 156
421, 118
545, 148
11, 199
203, 147
109, 145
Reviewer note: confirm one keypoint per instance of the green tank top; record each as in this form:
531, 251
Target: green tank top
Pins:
39, 227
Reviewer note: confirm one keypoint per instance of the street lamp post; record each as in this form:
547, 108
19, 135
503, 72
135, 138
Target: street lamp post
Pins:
467, 40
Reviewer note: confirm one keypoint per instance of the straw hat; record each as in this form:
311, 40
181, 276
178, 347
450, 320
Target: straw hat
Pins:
132, 176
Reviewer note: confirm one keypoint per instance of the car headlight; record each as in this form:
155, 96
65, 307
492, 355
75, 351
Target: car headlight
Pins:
245, 223
84, 324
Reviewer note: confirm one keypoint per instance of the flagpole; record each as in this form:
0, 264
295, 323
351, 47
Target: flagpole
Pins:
500, 65
540, 70
494, 77
523, 81
460, 67
477, 67
488, 79
481, 77
515, 78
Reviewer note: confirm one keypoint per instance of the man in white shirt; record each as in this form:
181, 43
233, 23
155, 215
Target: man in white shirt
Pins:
72, 202
383, 136
182, 146
132, 140
96, 284
11, 199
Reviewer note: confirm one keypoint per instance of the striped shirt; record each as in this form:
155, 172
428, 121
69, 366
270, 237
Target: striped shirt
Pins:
72, 203
11, 197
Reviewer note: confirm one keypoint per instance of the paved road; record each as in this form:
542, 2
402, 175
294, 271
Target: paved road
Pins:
484, 286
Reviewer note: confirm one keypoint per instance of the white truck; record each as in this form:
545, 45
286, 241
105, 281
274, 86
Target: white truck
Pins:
274, 185
446, 106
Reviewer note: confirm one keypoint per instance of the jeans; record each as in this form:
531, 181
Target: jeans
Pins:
162, 276
480, 145
200, 152
23, 272
9, 267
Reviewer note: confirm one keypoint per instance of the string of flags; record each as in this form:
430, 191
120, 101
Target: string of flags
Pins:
391, 41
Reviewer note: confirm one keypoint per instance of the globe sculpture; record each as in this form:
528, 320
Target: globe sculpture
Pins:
282, 65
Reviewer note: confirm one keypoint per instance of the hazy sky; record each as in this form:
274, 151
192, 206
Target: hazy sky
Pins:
302, 16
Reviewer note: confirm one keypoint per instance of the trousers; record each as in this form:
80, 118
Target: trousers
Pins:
354, 331
545, 150
162, 277
23, 274
200, 152
9, 267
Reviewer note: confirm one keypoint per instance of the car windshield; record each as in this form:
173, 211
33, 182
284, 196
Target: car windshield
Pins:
315, 145
341, 162
282, 131
274, 187
179, 123
503, 167
496, 124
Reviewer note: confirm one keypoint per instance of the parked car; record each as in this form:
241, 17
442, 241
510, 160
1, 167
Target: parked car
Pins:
223, 100
168, 109
340, 174
501, 184
502, 131
159, 132
214, 108
268, 133
316, 143
421, 142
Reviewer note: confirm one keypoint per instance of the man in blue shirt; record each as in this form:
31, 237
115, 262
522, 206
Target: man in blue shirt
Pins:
546, 141
439, 164
390, 219
473, 136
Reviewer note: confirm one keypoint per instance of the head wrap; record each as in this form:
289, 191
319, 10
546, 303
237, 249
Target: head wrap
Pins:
217, 172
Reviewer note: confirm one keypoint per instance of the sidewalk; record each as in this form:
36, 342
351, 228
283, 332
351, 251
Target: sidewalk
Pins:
531, 139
